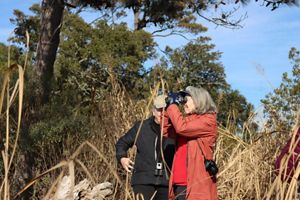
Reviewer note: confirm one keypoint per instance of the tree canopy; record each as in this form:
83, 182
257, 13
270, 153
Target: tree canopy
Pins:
76, 65
282, 105
90, 54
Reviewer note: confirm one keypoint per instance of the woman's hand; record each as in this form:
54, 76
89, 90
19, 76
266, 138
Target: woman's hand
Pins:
127, 164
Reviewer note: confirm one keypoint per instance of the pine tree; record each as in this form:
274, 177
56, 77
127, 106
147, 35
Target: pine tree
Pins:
282, 105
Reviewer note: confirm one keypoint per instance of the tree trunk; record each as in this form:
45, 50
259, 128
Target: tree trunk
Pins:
51, 21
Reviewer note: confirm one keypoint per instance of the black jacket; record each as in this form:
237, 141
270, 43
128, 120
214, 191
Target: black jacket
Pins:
148, 148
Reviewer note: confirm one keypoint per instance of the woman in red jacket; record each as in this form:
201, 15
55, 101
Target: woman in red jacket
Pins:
195, 133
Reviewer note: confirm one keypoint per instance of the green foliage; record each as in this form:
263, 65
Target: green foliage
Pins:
233, 108
281, 106
197, 64
9, 56
60, 119
30, 23
13, 52
89, 59
93, 59
177, 15
98, 4
91, 56
167, 14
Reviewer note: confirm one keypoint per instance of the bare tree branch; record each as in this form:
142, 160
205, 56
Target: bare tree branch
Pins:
158, 31
224, 19
173, 33
107, 17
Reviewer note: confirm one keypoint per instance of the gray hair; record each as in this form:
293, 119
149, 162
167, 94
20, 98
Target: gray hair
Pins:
202, 100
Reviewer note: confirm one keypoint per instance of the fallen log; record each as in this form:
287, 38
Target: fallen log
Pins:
82, 191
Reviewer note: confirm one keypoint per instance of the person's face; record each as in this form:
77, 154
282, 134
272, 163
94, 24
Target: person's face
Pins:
189, 106
157, 113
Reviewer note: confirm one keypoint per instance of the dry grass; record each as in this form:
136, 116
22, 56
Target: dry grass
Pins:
246, 168
11, 94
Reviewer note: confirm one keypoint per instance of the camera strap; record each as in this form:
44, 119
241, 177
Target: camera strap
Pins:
201, 149
157, 152
157, 143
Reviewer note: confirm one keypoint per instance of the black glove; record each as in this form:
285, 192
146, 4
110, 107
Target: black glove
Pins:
174, 98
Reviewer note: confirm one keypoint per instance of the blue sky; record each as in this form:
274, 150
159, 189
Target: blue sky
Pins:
254, 56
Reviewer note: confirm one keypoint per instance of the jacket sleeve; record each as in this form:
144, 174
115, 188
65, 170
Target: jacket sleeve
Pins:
201, 126
168, 129
125, 142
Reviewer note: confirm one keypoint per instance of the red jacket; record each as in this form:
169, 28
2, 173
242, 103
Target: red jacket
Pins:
201, 128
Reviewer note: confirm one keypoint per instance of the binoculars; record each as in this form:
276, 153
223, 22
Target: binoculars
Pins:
177, 97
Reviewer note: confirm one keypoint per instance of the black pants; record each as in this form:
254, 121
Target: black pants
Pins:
148, 191
180, 192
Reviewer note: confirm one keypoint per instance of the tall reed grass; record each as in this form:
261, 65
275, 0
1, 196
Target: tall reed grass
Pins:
246, 167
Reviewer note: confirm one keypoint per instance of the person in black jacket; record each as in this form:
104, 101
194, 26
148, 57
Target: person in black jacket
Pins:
149, 173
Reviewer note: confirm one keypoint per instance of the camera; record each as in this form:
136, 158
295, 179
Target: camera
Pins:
158, 170
211, 167
159, 165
